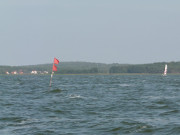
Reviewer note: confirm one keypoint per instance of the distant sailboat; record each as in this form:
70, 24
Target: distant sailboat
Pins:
165, 70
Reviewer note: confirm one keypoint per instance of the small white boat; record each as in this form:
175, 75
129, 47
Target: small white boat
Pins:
165, 70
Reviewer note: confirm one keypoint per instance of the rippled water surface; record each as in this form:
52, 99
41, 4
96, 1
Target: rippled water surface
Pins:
90, 105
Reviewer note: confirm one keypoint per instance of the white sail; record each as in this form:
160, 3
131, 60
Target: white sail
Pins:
165, 70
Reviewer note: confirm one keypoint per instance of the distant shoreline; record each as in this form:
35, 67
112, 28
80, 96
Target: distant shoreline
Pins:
89, 68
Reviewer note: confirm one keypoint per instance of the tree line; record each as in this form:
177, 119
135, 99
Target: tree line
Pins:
95, 68
155, 68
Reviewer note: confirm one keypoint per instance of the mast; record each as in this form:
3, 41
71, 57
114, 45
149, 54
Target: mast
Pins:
54, 68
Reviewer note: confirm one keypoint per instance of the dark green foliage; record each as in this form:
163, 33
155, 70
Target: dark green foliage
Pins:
173, 67
94, 68
63, 68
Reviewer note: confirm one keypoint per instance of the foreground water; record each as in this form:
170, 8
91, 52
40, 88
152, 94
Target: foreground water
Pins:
90, 105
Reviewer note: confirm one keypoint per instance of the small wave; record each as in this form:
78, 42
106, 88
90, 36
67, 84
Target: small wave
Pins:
152, 97
74, 96
144, 129
170, 112
117, 129
13, 119
58, 111
133, 128
124, 85
56, 91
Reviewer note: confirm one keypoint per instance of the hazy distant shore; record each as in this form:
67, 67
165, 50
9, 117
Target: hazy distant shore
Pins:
80, 68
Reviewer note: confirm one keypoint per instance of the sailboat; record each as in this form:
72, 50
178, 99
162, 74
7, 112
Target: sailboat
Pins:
165, 70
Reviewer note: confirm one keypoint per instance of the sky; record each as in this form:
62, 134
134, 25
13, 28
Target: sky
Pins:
102, 31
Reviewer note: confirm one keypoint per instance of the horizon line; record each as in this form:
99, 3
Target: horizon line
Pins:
91, 62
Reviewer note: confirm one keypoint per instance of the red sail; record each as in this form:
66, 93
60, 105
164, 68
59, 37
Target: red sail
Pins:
56, 61
54, 67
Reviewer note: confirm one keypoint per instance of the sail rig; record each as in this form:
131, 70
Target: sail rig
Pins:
54, 68
165, 70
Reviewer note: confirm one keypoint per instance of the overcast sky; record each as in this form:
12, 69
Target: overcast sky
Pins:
106, 31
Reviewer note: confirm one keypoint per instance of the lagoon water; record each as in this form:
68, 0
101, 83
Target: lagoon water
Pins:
90, 105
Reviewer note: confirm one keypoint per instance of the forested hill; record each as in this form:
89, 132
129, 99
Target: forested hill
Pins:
63, 68
93, 68
173, 67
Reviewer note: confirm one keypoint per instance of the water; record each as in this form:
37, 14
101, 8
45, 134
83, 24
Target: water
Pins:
90, 105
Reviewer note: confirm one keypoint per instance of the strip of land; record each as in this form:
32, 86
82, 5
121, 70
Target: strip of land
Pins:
94, 68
